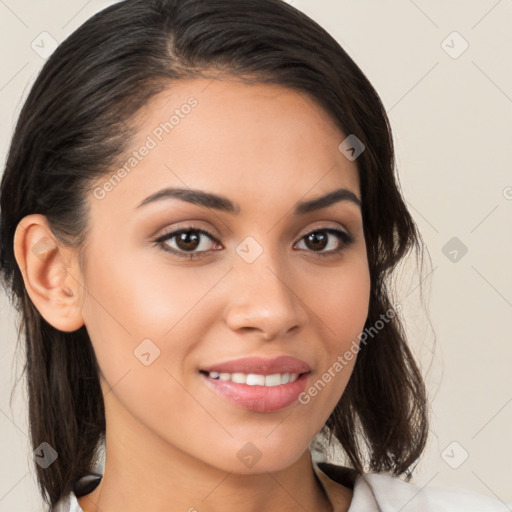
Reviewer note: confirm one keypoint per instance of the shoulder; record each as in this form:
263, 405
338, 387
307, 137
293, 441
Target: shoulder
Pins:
390, 492
384, 492
85, 485
68, 503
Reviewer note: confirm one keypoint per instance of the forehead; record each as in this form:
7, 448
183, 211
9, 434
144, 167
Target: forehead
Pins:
250, 142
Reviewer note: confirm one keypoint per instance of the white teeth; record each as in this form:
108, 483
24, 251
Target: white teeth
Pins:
254, 379
274, 380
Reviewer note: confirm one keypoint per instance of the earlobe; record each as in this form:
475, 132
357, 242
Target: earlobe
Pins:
50, 274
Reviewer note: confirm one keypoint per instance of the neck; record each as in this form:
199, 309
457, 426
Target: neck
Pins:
206, 489
144, 472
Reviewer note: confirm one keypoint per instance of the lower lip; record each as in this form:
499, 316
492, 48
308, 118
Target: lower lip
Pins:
259, 398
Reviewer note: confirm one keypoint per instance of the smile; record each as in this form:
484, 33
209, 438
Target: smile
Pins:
253, 379
256, 392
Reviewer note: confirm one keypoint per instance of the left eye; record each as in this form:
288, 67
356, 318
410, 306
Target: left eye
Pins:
189, 242
320, 239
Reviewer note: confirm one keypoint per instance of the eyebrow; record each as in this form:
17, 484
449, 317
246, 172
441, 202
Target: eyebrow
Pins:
223, 204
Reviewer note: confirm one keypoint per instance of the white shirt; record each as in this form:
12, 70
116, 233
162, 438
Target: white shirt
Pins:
372, 492
380, 492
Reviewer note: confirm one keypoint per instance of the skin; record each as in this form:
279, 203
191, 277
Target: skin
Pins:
170, 439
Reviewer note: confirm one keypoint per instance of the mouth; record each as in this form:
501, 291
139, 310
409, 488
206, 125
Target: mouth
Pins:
258, 384
254, 379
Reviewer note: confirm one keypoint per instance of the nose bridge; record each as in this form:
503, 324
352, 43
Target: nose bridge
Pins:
262, 296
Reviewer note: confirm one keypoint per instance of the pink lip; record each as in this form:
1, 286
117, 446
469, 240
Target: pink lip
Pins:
261, 366
260, 398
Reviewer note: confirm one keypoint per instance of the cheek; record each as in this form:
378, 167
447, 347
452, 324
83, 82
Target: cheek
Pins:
130, 301
144, 326
345, 302
343, 307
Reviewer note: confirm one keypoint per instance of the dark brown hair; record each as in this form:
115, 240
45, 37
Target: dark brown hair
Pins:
73, 129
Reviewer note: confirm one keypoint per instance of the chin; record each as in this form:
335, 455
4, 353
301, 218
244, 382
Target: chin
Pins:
253, 458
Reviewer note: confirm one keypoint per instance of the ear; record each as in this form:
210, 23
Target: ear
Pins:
50, 272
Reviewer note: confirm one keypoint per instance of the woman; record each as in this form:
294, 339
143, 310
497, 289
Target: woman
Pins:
199, 220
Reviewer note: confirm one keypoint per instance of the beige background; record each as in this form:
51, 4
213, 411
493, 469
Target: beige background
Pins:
451, 116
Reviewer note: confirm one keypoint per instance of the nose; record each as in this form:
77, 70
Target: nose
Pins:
264, 298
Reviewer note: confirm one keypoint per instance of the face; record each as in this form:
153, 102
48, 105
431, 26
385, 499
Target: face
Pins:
198, 308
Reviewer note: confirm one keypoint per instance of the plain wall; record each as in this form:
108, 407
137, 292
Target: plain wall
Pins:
451, 112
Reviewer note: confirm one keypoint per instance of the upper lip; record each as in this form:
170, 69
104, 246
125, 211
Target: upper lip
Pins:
260, 366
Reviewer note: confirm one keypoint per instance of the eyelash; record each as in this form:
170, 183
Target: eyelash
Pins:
345, 238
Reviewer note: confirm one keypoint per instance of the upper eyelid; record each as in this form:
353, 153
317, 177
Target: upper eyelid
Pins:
207, 231
172, 232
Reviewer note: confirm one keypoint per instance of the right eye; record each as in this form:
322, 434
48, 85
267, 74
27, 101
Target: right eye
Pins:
186, 240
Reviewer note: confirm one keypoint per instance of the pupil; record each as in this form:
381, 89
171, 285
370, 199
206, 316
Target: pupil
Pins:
315, 237
188, 240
